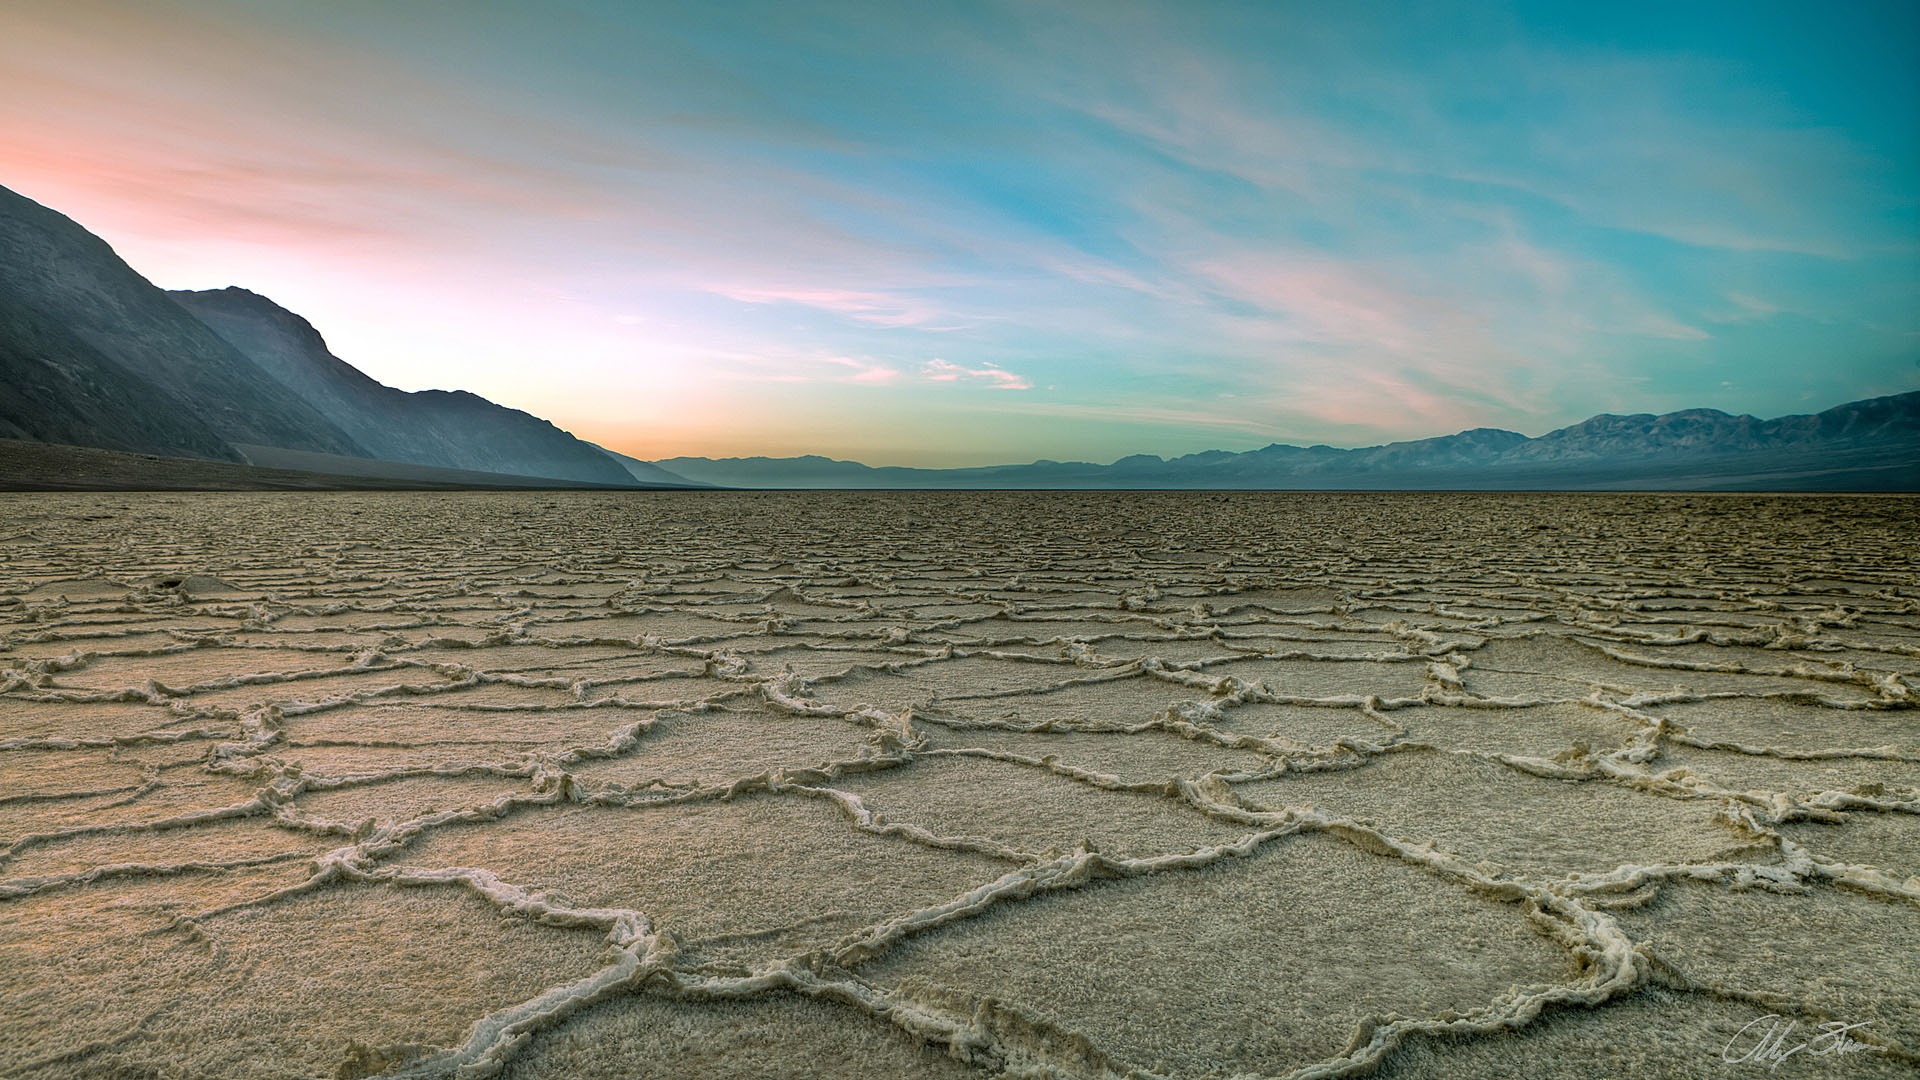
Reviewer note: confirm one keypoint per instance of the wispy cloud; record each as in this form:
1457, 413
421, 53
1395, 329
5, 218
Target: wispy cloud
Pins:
866, 372
938, 370
874, 308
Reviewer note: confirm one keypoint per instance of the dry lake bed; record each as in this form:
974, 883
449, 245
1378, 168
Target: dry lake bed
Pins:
545, 785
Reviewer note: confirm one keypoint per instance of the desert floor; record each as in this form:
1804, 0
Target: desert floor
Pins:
966, 784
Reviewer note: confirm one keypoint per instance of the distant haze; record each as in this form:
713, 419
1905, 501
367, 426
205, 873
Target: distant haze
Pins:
972, 234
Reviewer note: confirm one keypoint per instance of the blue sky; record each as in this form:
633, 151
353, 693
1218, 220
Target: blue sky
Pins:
974, 233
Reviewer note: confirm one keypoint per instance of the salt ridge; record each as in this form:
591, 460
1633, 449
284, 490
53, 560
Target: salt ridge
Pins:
531, 642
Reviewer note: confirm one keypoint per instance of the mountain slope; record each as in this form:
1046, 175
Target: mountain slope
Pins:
109, 360
59, 389
446, 429
92, 354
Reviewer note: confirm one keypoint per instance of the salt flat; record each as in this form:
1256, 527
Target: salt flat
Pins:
899, 785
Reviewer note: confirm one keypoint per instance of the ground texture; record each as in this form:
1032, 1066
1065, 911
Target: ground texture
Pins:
901, 785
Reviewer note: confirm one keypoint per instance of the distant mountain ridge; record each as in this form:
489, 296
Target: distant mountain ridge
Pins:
1863, 445
92, 354
647, 471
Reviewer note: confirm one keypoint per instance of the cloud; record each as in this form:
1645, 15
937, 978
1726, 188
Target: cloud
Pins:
866, 372
873, 308
1745, 308
997, 378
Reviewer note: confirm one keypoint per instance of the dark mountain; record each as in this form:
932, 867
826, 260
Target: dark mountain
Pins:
1869, 445
59, 389
93, 353
38, 466
447, 429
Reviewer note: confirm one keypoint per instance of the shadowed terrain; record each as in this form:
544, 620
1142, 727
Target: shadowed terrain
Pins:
37, 466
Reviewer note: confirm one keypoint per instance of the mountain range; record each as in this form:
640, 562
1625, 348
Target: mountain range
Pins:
94, 355
1871, 445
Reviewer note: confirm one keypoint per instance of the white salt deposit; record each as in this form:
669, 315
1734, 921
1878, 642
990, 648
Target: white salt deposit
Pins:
985, 784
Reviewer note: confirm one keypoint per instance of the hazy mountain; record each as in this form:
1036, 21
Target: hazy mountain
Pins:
810, 471
446, 429
1863, 445
646, 472
92, 353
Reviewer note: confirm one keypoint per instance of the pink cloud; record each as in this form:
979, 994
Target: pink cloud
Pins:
866, 372
1378, 401
1325, 301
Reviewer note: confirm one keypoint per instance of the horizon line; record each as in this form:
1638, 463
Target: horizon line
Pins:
1255, 449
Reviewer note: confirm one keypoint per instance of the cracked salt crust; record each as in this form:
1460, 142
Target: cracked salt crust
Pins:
1075, 785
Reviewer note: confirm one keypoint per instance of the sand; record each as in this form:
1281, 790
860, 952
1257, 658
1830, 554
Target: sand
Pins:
1077, 785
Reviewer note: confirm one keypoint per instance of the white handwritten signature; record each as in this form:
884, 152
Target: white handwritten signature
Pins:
1769, 1044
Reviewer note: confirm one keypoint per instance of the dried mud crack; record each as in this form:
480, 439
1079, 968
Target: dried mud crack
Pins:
990, 784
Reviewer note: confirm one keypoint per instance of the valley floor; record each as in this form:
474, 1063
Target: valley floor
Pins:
736, 784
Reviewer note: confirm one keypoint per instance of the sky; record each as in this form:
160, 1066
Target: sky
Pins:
975, 233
